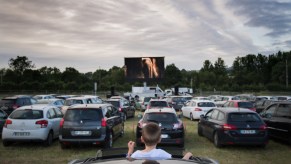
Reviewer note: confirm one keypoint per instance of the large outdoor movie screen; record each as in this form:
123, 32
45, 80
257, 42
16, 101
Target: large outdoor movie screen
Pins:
144, 68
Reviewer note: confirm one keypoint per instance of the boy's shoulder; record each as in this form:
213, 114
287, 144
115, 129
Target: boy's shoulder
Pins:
153, 154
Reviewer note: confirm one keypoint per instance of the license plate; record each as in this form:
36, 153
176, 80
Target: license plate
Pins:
164, 135
83, 133
248, 131
21, 133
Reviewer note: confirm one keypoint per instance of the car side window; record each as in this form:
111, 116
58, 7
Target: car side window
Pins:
226, 104
51, 114
221, 116
270, 111
214, 114
109, 112
284, 110
58, 112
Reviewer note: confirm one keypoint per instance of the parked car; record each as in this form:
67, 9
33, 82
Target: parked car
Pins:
200, 98
40, 97
75, 100
145, 101
224, 99
240, 104
97, 124
261, 105
172, 127
32, 123
9, 104
56, 102
233, 126
158, 103
94, 99
277, 116
123, 106
177, 102
282, 98
3, 117
194, 108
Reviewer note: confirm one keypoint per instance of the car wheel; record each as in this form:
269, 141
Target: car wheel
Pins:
200, 131
216, 140
49, 139
191, 117
109, 141
6, 143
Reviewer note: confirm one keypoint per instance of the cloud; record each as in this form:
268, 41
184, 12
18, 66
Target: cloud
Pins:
92, 34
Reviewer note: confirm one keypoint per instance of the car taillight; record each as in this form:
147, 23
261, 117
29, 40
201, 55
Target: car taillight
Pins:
62, 123
178, 125
7, 122
229, 127
119, 109
15, 106
263, 127
103, 122
197, 109
42, 123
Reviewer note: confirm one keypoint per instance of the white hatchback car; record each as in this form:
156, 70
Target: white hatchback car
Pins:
32, 123
194, 108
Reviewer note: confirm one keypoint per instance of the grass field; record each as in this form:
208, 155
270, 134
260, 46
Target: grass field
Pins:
275, 152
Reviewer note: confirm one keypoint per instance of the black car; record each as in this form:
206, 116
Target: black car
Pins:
233, 126
123, 105
97, 124
172, 127
262, 104
3, 117
8, 104
277, 116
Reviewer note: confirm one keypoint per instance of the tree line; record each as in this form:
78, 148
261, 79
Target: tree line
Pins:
249, 73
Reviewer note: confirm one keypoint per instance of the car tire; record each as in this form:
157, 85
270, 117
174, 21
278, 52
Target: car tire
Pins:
191, 117
200, 131
109, 141
49, 139
216, 140
6, 143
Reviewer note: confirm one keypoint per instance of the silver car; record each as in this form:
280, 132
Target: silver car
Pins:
32, 123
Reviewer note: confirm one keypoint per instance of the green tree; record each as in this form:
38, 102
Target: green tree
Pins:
20, 64
173, 75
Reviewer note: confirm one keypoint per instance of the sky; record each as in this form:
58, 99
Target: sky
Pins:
98, 34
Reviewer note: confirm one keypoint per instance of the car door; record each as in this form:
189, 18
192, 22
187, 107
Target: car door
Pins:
211, 124
268, 117
111, 120
282, 121
54, 120
118, 119
206, 124
126, 107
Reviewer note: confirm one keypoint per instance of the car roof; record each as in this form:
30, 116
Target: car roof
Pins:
158, 100
89, 106
234, 110
16, 96
239, 101
202, 100
35, 106
48, 100
113, 100
77, 98
164, 110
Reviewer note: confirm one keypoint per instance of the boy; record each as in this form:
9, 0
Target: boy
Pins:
151, 136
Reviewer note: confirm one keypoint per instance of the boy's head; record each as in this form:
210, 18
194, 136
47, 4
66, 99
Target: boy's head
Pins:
151, 134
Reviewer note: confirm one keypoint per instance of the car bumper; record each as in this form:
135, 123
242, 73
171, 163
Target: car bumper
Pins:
83, 140
37, 135
227, 139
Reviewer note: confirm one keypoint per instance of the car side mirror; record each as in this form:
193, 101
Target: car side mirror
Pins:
202, 116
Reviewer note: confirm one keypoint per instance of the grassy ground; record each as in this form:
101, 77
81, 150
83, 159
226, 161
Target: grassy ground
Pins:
275, 152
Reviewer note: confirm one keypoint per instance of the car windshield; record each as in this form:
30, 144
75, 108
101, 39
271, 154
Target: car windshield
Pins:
177, 99
83, 114
244, 117
159, 104
115, 103
245, 105
27, 114
160, 117
206, 104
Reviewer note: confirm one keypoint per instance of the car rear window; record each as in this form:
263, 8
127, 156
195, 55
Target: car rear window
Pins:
160, 117
83, 114
72, 102
206, 104
159, 104
244, 117
7, 101
27, 114
115, 103
177, 99
245, 105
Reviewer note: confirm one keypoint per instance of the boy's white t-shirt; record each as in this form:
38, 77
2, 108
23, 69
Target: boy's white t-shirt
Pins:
155, 154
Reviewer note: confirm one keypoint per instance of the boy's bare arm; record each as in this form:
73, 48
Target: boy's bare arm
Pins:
130, 145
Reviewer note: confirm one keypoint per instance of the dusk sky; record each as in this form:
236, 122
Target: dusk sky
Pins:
93, 34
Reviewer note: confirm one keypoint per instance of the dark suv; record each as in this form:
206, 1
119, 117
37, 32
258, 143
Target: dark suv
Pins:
230, 126
277, 116
97, 124
123, 106
8, 104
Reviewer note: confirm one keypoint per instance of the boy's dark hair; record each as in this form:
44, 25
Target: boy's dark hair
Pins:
151, 134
